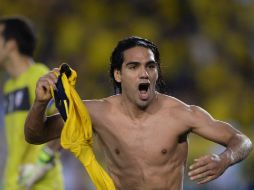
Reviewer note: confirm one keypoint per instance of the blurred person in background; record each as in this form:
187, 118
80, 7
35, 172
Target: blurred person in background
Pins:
34, 167
2, 139
143, 132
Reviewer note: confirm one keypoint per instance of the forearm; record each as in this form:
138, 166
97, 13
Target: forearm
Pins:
49, 151
54, 145
238, 148
34, 125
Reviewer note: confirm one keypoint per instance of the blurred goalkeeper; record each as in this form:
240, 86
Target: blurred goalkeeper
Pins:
28, 167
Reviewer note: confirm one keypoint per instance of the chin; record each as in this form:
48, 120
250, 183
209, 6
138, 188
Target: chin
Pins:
143, 104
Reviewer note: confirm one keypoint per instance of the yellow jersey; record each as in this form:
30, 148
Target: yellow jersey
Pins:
19, 94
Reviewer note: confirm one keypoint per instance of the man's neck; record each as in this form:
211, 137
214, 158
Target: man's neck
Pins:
135, 112
18, 65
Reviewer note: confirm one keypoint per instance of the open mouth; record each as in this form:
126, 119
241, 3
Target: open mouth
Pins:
143, 87
143, 91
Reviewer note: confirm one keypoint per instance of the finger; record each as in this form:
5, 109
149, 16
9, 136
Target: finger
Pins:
198, 164
201, 161
202, 158
52, 82
206, 179
198, 159
47, 82
44, 84
53, 77
200, 175
56, 71
198, 170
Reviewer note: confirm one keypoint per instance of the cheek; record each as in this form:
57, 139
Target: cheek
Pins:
129, 78
129, 84
154, 76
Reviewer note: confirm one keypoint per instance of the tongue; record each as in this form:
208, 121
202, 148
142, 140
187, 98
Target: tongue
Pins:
143, 95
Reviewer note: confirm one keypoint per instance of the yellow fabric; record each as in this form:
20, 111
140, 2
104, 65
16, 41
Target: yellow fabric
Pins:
77, 135
18, 97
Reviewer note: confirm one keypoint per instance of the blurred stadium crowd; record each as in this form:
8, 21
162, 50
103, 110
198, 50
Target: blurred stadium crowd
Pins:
207, 58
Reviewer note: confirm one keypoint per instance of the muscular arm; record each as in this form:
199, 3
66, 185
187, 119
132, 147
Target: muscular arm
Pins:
238, 146
38, 128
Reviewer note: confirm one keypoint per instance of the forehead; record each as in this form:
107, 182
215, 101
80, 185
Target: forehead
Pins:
138, 53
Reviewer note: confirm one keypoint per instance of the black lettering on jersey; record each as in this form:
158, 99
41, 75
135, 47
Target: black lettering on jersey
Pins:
17, 100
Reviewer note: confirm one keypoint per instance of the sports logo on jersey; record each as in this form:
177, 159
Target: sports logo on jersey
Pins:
17, 100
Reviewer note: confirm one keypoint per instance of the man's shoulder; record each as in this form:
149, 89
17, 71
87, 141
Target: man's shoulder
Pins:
180, 110
102, 104
174, 106
170, 101
100, 109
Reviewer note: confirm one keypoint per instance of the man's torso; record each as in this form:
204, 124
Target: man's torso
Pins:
145, 153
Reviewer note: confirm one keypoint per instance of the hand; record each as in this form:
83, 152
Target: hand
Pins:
31, 173
43, 91
207, 168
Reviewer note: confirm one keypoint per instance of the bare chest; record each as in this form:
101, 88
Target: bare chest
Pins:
155, 140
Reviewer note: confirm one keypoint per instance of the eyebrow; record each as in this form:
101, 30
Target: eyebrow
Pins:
132, 63
152, 62
136, 62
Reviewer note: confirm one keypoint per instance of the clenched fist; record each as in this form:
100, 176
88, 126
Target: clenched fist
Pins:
45, 84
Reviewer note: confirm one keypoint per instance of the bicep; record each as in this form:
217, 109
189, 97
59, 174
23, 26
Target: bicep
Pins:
203, 124
96, 110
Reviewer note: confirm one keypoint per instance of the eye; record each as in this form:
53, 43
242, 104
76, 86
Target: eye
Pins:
132, 66
151, 66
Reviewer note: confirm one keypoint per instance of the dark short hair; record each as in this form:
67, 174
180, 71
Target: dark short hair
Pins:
116, 60
21, 30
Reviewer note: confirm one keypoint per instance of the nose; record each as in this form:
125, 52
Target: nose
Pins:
143, 73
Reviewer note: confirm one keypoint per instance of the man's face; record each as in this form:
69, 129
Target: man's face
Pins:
138, 75
3, 50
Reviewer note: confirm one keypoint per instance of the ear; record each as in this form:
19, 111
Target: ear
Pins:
11, 45
117, 75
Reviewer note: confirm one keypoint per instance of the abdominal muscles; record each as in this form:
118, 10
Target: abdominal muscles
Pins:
165, 172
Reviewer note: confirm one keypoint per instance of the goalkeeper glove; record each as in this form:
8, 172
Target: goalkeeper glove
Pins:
31, 173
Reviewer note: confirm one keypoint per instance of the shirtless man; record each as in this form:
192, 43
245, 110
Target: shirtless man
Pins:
142, 131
